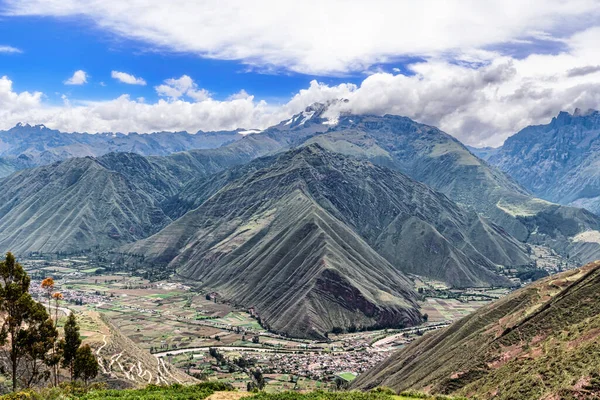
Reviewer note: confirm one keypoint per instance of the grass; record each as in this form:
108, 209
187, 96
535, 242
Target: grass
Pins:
151, 392
348, 376
321, 395
204, 390
92, 270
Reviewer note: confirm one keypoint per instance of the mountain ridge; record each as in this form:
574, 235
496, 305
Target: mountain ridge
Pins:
563, 150
26, 146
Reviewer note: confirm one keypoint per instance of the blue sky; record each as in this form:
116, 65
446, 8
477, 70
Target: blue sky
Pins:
52, 50
478, 70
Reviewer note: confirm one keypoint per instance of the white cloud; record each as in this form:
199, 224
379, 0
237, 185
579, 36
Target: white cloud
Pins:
79, 78
127, 78
242, 94
480, 97
184, 86
325, 36
9, 49
12, 102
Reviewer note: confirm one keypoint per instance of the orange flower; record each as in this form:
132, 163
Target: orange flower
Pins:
57, 296
48, 283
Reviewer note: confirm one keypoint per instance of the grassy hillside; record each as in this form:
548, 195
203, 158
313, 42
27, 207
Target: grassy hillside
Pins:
542, 341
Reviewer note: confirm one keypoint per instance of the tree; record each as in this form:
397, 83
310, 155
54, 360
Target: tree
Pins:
37, 342
72, 343
85, 365
57, 296
48, 286
25, 321
259, 379
56, 353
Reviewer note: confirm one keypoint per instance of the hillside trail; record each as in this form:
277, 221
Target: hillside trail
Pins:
103, 345
228, 395
116, 355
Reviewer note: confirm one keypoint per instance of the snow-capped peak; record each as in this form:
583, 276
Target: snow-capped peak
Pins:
323, 113
249, 131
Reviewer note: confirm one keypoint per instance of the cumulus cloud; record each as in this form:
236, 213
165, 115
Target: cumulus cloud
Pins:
12, 102
9, 49
480, 106
481, 97
184, 86
325, 36
79, 78
127, 78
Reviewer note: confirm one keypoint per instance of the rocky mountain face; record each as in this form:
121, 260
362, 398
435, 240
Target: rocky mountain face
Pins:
540, 342
26, 146
558, 161
435, 158
268, 231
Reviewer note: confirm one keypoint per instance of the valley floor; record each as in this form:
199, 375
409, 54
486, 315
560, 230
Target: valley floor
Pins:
179, 324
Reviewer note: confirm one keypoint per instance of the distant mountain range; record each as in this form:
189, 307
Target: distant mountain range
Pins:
26, 146
315, 213
540, 342
559, 162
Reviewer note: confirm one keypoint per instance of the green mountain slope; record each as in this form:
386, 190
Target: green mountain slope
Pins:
73, 205
540, 342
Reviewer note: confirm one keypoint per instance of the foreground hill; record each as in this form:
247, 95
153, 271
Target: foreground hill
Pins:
122, 363
540, 342
316, 240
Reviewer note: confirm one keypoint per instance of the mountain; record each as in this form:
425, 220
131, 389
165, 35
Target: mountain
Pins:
424, 153
84, 203
540, 342
74, 205
483, 152
283, 233
435, 158
26, 146
558, 161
